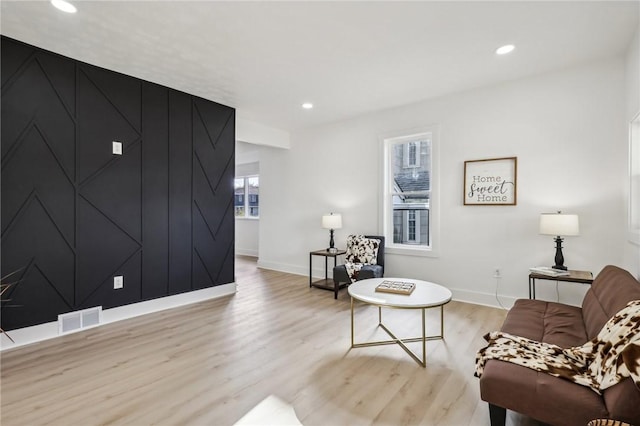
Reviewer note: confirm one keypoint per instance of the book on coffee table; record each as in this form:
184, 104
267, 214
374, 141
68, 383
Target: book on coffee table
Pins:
396, 287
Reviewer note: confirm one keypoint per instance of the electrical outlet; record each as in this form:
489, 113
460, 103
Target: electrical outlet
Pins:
117, 147
118, 282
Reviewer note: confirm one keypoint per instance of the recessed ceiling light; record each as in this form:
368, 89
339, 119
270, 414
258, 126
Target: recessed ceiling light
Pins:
503, 50
307, 105
64, 6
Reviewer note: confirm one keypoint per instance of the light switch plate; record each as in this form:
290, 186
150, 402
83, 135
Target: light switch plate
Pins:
117, 147
118, 282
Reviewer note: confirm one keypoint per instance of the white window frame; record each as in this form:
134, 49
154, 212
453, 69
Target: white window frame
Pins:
387, 141
416, 220
247, 207
406, 155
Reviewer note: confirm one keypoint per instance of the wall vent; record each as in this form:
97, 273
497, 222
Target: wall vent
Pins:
78, 320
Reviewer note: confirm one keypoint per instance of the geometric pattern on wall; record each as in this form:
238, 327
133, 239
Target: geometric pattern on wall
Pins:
110, 188
74, 215
34, 245
38, 193
103, 118
212, 186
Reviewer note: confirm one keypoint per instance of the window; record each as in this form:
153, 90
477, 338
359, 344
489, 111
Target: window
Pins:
408, 211
246, 196
411, 226
411, 156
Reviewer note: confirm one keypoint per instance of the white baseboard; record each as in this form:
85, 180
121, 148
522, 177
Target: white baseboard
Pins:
317, 272
37, 333
246, 252
484, 299
477, 298
284, 267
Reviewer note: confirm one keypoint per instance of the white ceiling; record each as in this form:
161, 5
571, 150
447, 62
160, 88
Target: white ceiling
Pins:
266, 58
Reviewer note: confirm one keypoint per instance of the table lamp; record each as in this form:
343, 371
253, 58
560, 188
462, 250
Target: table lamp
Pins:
331, 221
560, 225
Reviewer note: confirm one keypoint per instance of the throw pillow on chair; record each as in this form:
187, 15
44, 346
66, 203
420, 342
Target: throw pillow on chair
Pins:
361, 251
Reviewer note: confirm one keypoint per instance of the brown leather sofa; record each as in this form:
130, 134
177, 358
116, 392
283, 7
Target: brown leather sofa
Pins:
554, 400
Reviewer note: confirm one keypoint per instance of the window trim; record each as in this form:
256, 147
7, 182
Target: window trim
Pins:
385, 224
416, 225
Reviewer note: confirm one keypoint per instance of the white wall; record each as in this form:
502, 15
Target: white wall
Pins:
251, 132
247, 230
632, 251
566, 128
247, 235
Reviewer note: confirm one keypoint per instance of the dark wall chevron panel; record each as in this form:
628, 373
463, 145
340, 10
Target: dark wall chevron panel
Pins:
74, 215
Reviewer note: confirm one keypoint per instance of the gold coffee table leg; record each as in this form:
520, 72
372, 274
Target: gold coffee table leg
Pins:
352, 322
424, 339
395, 340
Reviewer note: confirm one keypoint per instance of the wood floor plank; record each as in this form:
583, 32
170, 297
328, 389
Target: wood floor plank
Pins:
210, 363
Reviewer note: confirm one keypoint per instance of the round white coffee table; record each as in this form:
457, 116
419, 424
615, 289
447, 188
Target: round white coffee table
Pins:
426, 295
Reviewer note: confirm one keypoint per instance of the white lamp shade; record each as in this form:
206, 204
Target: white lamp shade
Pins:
559, 224
332, 221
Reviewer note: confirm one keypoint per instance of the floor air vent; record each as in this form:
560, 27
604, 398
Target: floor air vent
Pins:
74, 321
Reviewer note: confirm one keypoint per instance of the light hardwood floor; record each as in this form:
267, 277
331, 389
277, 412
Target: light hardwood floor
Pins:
211, 362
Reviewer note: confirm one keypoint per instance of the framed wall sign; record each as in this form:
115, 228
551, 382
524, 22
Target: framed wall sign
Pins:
490, 182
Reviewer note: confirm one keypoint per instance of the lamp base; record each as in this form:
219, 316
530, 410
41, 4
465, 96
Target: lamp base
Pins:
559, 257
331, 242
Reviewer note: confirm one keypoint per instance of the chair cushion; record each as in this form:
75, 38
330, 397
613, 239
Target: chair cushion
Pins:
370, 271
362, 250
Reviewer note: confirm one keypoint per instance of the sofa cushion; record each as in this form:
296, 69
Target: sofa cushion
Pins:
543, 397
612, 289
547, 322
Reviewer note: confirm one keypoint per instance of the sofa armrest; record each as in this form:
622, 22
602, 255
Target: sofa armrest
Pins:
623, 401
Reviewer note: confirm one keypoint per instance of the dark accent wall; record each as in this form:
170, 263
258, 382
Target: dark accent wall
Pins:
74, 215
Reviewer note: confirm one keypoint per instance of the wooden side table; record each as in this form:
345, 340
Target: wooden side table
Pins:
582, 277
326, 284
